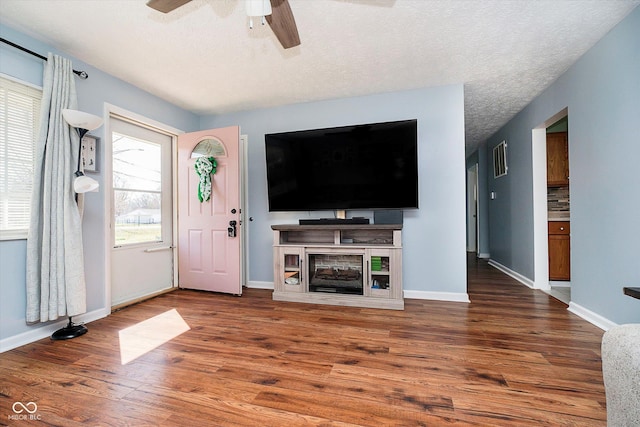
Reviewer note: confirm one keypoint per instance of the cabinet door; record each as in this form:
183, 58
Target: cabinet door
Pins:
289, 270
557, 159
379, 278
384, 273
559, 257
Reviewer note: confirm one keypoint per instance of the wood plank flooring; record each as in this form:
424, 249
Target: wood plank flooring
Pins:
513, 356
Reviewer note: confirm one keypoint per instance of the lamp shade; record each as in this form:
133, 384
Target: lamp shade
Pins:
81, 120
258, 7
84, 184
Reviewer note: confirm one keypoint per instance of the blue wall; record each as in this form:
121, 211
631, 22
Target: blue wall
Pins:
434, 235
98, 89
602, 93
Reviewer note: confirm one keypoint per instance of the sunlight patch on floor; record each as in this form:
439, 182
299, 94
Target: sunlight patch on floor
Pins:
143, 337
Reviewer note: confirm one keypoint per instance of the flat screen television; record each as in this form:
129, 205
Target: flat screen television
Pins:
366, 166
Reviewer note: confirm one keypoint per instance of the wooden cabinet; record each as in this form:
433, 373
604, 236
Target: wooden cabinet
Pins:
559, 250
352, 265
557, 159
289, 272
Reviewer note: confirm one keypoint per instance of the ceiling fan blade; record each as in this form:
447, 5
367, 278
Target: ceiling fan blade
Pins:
283, 24
166, 6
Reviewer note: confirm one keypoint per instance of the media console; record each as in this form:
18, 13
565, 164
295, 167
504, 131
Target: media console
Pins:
339, 264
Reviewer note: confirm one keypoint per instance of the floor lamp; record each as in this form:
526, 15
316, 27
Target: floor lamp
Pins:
83, 123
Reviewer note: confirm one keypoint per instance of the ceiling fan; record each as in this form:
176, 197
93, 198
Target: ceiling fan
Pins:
280, 19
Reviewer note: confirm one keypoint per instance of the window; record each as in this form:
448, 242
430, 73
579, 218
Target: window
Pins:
500, 167
137, 190
19, 122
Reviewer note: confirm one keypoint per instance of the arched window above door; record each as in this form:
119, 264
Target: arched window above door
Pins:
209, 147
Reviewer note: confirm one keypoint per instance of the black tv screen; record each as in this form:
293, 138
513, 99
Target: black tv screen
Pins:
368, 166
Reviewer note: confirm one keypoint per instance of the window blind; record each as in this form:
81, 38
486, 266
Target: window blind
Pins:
19, 122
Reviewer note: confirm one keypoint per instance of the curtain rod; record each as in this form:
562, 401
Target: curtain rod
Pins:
81, 74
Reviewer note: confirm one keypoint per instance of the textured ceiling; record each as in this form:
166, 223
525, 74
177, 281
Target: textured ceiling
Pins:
203, 57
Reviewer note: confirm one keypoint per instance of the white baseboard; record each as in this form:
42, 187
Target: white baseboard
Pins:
591, 317
588, 315
558, 284
259, 285
484, 255
514, 274
41, 332
437, 296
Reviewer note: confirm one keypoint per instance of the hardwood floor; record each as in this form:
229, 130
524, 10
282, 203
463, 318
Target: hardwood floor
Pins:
513, 356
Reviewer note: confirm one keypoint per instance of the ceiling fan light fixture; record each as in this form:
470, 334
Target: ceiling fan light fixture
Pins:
259, 8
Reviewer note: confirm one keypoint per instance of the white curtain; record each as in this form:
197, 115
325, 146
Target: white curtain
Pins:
55, 264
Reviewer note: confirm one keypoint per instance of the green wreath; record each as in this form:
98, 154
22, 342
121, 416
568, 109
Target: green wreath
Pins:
205, 167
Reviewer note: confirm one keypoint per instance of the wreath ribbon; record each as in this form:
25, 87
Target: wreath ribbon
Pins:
205, 167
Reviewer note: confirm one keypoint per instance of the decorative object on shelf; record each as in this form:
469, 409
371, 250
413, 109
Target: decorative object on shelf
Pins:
291, 280
376, 263
205, 167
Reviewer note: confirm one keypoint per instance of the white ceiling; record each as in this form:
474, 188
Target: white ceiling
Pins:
203, 57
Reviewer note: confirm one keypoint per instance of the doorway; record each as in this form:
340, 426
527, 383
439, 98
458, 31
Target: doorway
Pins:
558, 210
142, 211
543, 219
472, 210
210, 221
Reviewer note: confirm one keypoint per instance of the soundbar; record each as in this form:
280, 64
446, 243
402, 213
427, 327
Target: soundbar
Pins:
334, 221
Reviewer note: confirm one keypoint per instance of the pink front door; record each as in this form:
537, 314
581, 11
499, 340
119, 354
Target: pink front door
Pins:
208, 255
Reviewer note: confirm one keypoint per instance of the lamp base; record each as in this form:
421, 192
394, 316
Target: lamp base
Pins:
70, 331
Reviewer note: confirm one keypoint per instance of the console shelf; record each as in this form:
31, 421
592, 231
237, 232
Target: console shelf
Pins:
352, 265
